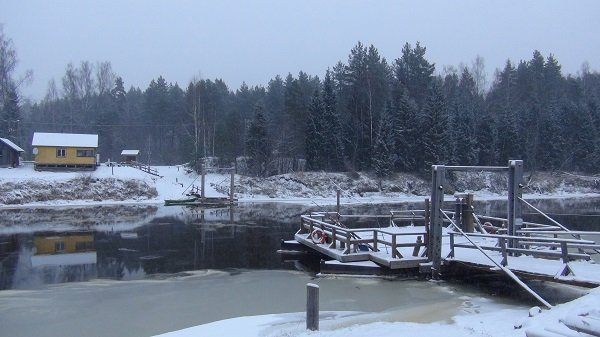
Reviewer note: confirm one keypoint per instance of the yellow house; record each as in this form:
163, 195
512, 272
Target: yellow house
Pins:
64, 151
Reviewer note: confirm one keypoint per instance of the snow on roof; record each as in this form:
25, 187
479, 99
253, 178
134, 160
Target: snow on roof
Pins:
11, 144
130, 152
64, 139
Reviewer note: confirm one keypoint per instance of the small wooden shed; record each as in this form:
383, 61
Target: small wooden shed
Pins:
9, 153
130, 155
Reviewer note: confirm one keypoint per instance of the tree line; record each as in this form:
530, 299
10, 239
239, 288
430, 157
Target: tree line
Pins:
364, 114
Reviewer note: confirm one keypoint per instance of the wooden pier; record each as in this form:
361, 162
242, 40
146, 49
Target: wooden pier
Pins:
435, 241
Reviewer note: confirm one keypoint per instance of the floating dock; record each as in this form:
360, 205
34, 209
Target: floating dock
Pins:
436, 242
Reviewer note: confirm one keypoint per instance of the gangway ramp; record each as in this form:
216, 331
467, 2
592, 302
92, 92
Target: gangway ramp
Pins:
391, 247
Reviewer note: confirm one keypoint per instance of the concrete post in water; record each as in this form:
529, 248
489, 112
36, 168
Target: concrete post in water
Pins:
312, 306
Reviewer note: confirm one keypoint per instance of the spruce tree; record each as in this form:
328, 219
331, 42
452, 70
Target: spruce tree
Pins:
434, 123
384, 156
316, 145
333, 138
258, 146
407, 132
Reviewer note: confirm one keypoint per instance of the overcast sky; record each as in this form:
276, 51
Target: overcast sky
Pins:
253, 41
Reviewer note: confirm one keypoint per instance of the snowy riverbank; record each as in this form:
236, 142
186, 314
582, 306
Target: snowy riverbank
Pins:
25, 187
488, 320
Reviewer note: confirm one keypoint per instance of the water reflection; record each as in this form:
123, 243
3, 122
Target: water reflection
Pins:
44, 246
54, 245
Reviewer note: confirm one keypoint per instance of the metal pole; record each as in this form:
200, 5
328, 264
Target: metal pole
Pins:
435, 232
312, 306
202, 186
515, 184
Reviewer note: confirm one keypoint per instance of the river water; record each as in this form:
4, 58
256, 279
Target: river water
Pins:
144, 270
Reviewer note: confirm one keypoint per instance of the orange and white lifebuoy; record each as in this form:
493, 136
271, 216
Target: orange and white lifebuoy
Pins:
318, 236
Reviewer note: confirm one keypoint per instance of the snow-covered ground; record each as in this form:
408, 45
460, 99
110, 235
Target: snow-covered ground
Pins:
492, 321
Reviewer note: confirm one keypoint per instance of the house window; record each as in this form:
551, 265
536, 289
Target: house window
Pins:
85, 153
59, 246
61, 152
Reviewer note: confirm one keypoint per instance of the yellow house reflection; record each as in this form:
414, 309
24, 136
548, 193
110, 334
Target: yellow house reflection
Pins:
64, 249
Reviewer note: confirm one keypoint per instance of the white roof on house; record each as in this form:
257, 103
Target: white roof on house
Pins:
130, 152
64, 139
11, 144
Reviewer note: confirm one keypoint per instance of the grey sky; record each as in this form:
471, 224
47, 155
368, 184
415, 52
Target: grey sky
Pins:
253, 41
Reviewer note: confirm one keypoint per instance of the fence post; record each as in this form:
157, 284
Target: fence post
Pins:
417, 246
312, 306
504, 261
375, 241
333, 237
564, 252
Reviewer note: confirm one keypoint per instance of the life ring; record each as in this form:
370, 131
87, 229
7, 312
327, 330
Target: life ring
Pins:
318, 236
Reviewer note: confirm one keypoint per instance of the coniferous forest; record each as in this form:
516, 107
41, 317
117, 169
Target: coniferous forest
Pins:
363, 114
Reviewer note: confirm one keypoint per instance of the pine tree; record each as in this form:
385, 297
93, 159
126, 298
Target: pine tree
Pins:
502, 105
316, 146
466, 146
11, 114
384, 156
258, 146
414, 72
407, 134
581, 138
434, 123
333, 141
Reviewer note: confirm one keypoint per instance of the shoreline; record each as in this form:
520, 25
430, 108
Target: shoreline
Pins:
297, 201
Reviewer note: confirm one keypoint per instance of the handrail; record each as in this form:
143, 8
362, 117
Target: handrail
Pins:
349, 237
527, 238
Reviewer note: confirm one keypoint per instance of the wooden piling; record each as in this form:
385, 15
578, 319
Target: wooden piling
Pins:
467, 214
312, 307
